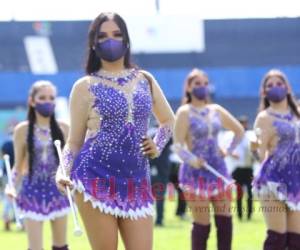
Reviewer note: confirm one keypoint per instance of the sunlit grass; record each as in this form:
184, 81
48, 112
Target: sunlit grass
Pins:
175, 235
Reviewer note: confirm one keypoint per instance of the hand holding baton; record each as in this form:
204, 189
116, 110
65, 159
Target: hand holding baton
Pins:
11, 186
77, 229
216, 173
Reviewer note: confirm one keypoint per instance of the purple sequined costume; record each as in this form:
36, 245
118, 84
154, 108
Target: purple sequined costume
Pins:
110, 168
279, 174
204, 127
39, 198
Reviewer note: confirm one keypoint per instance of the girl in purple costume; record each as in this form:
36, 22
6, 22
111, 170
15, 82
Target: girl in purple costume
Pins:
197, 125
106, 152
35, 166
277, 183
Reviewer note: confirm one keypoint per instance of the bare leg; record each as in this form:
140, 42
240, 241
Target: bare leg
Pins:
200, 210
293, 228
222, 206
59, 231
275, 214
293, 221
102, 229
137, 234
34, 230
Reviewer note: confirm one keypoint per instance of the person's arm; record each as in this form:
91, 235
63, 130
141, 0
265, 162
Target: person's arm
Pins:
65, 129
165, 118
180, 138
262, 128
19, 142
2, 153
230, 123
79, 103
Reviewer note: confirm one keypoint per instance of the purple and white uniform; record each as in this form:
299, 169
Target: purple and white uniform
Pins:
204, 127
110, 169
39, 198
279, 174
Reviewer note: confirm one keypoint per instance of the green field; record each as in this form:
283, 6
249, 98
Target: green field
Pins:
175, 235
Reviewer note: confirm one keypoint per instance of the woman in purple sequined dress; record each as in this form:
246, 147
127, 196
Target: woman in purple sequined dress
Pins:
277, 183
35, 166
107, 152
196, 141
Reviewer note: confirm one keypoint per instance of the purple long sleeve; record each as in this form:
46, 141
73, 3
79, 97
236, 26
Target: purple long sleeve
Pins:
162, 136
184, 154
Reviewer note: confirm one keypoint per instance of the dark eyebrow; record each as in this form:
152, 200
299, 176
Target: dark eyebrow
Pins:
114, 31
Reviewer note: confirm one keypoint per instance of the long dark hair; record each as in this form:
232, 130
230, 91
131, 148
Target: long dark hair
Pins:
56, 132
93, 63
264, 102
187, 97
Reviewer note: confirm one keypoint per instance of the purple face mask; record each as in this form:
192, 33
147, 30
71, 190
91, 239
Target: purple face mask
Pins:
276, 94
200, 93
45, 109
110, 50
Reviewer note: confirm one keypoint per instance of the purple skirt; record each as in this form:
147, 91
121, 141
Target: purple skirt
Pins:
202, 182
114, 176
40, 200
279, 176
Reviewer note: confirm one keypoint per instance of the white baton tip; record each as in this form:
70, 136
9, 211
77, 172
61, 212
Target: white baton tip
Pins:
77, 232
6, 157
57, 143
